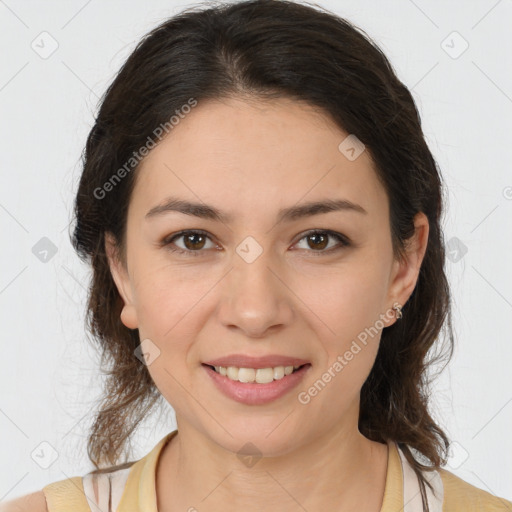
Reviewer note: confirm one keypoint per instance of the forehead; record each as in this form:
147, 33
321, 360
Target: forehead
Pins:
256, 155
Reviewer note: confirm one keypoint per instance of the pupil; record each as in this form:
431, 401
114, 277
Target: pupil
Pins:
193, 245
317, 235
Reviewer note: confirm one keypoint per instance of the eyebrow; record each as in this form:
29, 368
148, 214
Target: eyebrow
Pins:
204, 211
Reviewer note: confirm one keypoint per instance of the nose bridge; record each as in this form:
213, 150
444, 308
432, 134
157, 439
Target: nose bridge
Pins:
254, 298
254, 278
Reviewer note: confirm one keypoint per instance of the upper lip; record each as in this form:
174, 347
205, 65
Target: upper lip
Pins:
245, 361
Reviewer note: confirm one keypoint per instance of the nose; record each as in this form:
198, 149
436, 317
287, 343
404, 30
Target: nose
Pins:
255, 297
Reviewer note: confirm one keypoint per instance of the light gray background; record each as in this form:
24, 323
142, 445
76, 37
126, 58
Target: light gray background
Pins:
49, 377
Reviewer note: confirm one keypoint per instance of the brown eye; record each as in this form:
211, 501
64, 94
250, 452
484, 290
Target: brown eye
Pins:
194, 241
317, 241
190, 242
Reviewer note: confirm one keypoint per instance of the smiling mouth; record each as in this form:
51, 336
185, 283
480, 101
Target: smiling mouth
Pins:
256, 375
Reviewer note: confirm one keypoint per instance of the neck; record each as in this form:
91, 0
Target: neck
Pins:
341, 470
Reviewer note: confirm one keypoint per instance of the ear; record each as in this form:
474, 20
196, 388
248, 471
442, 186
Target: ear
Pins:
404, 275
122, 280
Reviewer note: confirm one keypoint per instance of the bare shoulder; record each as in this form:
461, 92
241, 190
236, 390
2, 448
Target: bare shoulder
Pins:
33, 502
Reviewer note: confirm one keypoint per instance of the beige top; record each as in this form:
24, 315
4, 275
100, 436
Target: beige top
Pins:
132, 488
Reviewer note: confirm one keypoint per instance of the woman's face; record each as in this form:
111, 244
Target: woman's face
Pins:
255, 281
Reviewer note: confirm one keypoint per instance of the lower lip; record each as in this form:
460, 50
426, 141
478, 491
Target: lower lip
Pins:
251, 393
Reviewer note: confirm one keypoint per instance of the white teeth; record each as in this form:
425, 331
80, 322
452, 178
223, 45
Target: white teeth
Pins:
259, 375
264, 375
246, 374
232, 373
278, 372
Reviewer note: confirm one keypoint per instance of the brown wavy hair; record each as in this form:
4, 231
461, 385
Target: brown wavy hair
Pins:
269, 49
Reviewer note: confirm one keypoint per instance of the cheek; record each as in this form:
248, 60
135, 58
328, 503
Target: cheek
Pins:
346, 300
167, 300
169, 308
344, 310
349, 331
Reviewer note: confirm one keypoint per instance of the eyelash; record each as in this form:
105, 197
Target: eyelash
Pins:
342, 239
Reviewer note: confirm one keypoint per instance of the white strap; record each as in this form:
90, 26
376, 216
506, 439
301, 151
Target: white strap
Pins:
412, 493
110, 488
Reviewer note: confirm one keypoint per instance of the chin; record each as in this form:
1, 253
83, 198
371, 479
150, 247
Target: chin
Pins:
267, 437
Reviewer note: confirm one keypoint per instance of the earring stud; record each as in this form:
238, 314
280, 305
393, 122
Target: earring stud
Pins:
398, 310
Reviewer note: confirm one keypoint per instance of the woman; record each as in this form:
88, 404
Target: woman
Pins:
262, 216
